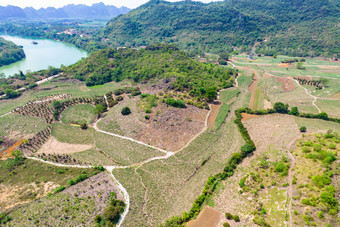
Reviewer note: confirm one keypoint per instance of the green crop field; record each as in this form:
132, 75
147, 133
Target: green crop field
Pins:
222, 114
79, 114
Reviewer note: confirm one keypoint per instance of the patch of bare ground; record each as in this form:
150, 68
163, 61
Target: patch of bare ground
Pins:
8, 152
277, 129
215, 108
208, 217
246, 116
287, 83
172, 128
53, 146
11, 196
97, 187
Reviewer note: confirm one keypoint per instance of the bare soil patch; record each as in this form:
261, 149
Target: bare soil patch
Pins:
53, 146
274, 129
208, 217
267, 104
11, 196
287, 84
285, 65
215, 108
336, 95
172, 128
246, 116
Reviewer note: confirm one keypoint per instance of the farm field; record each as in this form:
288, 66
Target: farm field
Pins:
79, 114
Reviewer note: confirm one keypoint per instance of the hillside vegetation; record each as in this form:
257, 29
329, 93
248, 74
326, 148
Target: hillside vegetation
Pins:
299, 28
9, 52
159, 61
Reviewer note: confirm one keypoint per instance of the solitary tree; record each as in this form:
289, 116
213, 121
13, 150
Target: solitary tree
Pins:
126, 111
279, 107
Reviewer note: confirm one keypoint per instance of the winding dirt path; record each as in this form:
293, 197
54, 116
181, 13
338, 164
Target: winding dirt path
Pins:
314, 97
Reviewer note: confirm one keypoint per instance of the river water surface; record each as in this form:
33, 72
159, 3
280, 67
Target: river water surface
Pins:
45, 53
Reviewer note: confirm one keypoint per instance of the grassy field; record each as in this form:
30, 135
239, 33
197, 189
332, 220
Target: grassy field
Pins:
332, 107
72, 134
228, 94
123, 152
79, 114
17, 127
316, 125
222, 114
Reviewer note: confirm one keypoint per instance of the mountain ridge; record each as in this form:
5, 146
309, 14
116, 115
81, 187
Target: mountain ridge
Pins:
70, 11
307, 28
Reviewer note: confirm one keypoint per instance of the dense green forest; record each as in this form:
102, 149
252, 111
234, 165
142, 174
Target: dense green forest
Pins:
158, 61
9, 52
297, 28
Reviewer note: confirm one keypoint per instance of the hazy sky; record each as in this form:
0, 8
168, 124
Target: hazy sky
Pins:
59, 3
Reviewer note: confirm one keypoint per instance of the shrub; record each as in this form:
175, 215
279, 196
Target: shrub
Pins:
226, 224
303, 129
305, 149
112, 103
11, 94
247, 149
321, 180
83, 126
126, 111
118, 91
294, 111
175, 103
331, 146
228, 216
236, 218
320, 214
135, 93
60, 171
119, 98
59, 189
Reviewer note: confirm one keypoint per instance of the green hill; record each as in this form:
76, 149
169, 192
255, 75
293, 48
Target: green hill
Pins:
155, 62
9, 52
298, 28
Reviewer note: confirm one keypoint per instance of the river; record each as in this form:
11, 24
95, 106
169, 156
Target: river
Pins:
46, 53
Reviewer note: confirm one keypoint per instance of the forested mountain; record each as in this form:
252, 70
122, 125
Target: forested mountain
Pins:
298, 28
157, 61
9, 52
96, 11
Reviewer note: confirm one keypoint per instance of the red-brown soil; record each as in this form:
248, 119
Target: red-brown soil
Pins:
287, 83
246, 116
215, 108
8, 152
208, 217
